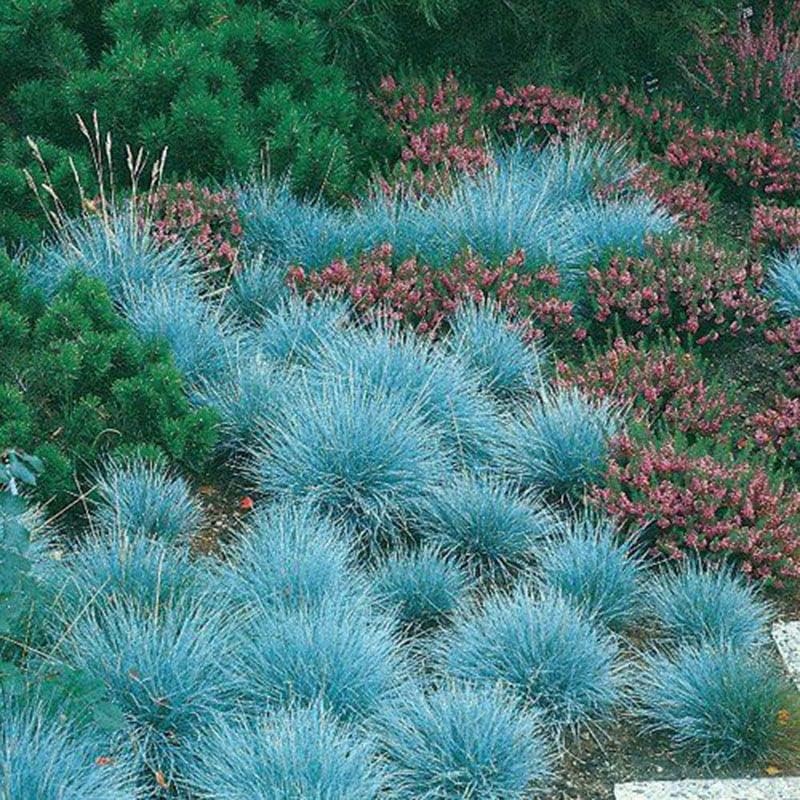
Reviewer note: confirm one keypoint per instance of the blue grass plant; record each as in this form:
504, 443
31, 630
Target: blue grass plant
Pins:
340, 654
460, 742
722, 706
366, 460
592, 567
168, 673
287, 755
486, 523
560, 445
197, 335
289, 558
507, 367
423, 587
699, 604
41, 758
257, 289
783, 283
550, 654
141, 497
295, 331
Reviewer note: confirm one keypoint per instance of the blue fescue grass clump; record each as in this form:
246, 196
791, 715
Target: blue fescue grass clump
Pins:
287, 755
168, 674
784, 283
442, 391
561, 443
289, 230
422, 586
104, 572
706, 605
295, 331
245, 397
485, 522
365, 459
197, 335
549, 653
340, 654
257, 289
508, 367
43, 759
117, 252
289, 557
139, 496
722, 705
462, 742
590, 566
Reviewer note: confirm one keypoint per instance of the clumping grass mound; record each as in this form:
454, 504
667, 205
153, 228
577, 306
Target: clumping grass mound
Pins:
508, 367
699, 604
784, 283
42, 759
591, 567
443, 392
295, 331
340, 654
423, 586
257, 290
722, 706
141, 497
368, 461
289, 557
106, 572
561, 444
551, 655
287, 755
460, 741
245, 398
168, 674
486, 523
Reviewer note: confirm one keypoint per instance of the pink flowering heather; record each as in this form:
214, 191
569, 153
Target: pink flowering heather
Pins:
208, 222
441, 132
658, 385
540, 111
698, 290
752, 75
777, 428
775, 228
787, 341
694, 501
424, 297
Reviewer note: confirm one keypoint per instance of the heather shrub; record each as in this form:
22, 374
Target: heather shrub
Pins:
721, 706
288, 558
592, 567
703, 499
205, 221
560, 444
775, 228
783, 284
695, 288
423, 587
167, 674
459, 741
43, 759
143, 498
548, 653
339, 654
368, 460
700, 605
508, 366
486, 523
659, 384
786, 342
288, 754
776, 428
